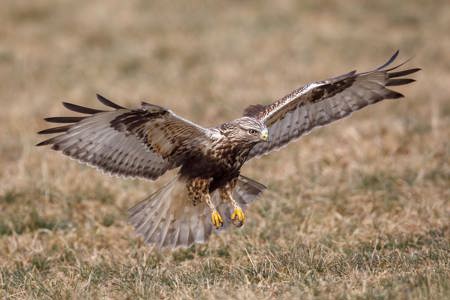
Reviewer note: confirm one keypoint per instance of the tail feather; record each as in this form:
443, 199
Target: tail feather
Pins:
164, 229
167, 219
184, 234
155, 210
247, 190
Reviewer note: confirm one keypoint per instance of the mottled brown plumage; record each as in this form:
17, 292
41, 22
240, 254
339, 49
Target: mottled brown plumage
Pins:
208, 190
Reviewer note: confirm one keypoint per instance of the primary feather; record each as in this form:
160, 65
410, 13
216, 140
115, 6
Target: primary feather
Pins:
144, 142
323, 102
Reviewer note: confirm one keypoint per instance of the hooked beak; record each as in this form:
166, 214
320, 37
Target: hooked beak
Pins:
265, 135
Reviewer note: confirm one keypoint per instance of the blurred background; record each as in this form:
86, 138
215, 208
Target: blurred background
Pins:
356, 209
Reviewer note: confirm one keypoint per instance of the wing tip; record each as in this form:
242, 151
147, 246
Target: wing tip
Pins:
399, 81
390, 60
46, 142
394, 95
108, 102
55, 129
81, 109
43, 143
63, 119
403, 73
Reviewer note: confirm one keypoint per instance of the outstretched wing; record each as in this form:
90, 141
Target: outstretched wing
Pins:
144, 142
323, 102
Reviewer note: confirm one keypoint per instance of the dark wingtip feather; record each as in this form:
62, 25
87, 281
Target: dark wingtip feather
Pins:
403, 73
399, 81
399, 65
394, 95
44, 143
64, 119
393, 57
108, 102
81, 109
55, 129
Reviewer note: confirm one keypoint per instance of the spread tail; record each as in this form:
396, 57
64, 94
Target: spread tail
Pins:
167, 218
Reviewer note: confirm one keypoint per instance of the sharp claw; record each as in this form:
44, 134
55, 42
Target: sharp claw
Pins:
216, 219
238, 217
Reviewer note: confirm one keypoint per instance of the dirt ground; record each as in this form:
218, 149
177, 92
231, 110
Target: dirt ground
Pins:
356, 210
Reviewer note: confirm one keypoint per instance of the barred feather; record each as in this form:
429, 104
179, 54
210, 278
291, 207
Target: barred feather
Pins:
143, 142
323, 102
166, 219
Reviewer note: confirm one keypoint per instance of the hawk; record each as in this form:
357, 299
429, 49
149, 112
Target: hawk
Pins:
208, 193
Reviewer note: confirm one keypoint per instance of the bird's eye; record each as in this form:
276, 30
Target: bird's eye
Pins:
252, 131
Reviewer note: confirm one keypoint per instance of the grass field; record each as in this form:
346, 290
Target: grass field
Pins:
356, 210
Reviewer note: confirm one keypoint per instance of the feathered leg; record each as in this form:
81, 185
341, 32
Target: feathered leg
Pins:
198, 190
216, 218
238, 216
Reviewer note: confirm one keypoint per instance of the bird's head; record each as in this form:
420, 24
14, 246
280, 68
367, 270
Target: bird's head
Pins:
246, 130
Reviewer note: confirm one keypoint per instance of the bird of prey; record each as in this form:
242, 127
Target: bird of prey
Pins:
208, 193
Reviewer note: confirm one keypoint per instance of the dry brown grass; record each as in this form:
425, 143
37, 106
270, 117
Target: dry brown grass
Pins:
357, 210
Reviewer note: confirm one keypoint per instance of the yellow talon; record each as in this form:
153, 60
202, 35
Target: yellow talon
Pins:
216, 219
238, 217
